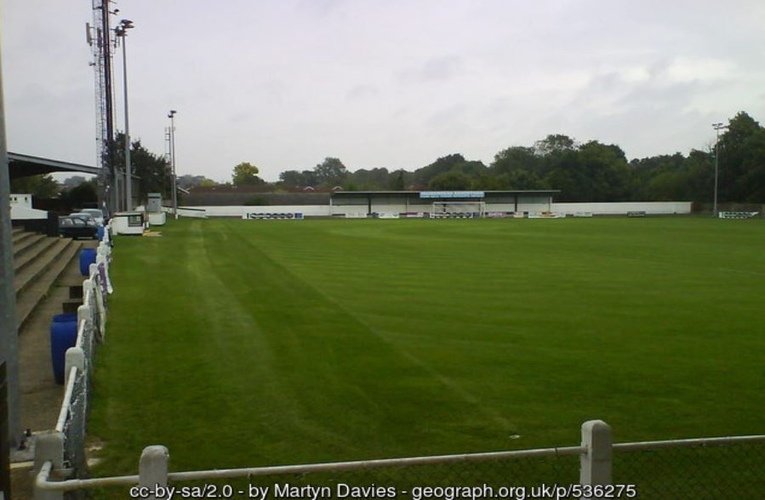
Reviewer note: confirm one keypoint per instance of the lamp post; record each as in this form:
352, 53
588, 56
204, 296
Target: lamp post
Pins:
174, 194
121, 32
717, 127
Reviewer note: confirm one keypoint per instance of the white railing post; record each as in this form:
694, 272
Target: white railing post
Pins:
87, 285
49, 447
74, 356
596, 462
153, 469
84, 314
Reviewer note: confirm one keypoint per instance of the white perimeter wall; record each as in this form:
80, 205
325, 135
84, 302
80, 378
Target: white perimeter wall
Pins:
19, 212
525, 205
622, 208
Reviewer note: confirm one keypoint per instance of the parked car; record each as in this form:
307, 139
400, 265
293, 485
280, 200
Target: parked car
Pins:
96, 213
74, 226
83, 215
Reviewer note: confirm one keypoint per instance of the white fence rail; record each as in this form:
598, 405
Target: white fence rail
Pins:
62, 449
595, 479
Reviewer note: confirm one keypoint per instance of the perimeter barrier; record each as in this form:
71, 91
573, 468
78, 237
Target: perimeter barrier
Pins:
725, 467
64, 447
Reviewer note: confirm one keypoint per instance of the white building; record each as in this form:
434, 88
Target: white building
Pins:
21, 208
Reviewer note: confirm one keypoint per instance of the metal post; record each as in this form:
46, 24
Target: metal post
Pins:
8, 326
174, 194
107, 100
122, 33
128, 169
717, 127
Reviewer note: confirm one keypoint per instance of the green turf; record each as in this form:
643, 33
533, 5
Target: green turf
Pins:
243, 343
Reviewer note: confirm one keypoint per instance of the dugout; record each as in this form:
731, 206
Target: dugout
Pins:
420, 203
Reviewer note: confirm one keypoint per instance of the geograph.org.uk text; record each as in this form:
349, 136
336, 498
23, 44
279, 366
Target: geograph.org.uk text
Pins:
345, 491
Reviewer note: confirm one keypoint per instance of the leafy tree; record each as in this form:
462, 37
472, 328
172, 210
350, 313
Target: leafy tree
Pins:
699, 176
424, 175
742, 161
568, 175
645, 170
368, 180
524, 179
397, 181
296, 179
73, 181
246, 174
488, 182
453, 180
472, 169
82, 195
513, 159
554, 144
153, 171
331, 172
606, 173
39, 186
519, 167
291, 178
189, 181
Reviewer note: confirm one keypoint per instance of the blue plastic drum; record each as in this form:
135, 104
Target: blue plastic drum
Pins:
63, 335
87, 257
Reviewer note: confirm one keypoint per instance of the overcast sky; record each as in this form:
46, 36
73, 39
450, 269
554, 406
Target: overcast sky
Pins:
283, 84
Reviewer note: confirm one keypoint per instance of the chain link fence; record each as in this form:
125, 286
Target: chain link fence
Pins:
62, 451
75, 425
698, 469
73, 418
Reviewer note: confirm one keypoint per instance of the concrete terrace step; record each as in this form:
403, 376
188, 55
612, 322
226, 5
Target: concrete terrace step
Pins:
23, 239
41, 261
36, 279
16, 232
31, 252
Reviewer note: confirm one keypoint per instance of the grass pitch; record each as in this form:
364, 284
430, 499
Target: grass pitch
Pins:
243, 343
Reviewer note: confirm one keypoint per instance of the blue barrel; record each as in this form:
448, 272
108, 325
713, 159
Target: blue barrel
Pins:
87, 257
100, 232
63, 335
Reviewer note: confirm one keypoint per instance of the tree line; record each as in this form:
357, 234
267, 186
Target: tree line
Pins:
589, 171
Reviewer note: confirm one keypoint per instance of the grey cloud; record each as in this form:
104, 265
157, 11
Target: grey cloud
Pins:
361, 92
436, 69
